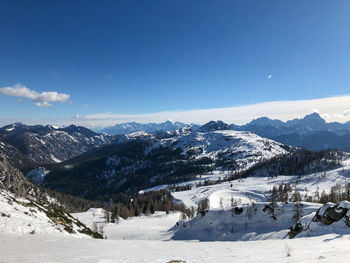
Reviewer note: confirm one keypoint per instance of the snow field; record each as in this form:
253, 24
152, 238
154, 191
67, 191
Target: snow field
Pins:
152, 227
329, 248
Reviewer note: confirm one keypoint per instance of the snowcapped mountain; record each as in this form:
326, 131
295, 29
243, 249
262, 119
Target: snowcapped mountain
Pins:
47, 144
311, 132
131, 127
140, 160
241, 148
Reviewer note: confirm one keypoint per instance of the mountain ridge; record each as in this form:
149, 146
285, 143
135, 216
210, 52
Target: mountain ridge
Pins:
311, 132
27, 146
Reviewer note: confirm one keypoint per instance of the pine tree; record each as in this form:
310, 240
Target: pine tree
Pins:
317, 195
152, 208
298, 213
273, 198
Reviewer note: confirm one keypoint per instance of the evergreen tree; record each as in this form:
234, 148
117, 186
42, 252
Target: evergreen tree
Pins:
298, 212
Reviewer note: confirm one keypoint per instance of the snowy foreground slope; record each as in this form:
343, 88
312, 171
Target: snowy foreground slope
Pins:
119, 247
21, 216
329, 248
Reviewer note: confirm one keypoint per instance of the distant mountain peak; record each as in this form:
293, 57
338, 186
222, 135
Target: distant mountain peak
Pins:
312, 121
314, 116
265, 121
311, 132
131, 127
214, 126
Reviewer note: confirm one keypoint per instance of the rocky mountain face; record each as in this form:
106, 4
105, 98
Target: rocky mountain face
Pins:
28, 146
15, 157
131, 127
11, 179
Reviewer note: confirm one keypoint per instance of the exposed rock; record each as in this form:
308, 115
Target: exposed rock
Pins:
11, 179
326, 215
295, 230
238, 210
331, 213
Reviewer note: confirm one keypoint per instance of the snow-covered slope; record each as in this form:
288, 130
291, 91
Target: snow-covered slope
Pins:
243, 222
257, 188
243, 148
22, 216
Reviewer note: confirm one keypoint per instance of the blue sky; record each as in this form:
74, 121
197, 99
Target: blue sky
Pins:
137, 57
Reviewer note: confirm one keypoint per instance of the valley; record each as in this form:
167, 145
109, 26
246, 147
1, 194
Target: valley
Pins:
174, 193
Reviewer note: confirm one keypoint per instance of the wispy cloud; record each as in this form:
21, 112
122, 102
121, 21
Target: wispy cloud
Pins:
269, 76
42, 104
40, 99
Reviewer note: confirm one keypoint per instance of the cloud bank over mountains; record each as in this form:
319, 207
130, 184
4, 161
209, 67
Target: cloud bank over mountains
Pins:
331, 109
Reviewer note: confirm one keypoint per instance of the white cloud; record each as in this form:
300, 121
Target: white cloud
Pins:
269, 76
347, 112
40, 99
86, 105
42, 104
338, 116
325, 116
